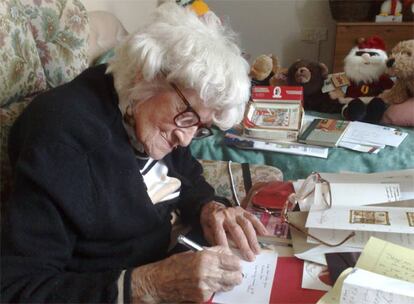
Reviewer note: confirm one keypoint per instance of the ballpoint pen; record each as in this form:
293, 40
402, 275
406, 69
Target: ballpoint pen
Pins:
189, 243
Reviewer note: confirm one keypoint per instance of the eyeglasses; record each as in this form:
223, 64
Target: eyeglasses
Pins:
307, 188
189, 117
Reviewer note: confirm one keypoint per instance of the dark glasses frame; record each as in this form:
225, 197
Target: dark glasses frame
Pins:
203, 130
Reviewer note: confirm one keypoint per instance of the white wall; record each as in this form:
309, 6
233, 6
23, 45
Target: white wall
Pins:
265, 26
132, 13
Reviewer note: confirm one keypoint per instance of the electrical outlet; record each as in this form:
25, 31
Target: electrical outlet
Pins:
321, 34
307, 34
314, 34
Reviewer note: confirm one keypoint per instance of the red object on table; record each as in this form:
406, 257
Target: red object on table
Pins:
287, 283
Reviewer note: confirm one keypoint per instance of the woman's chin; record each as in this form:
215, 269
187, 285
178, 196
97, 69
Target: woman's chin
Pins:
158, 154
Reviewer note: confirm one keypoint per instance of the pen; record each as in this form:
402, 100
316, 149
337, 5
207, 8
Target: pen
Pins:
189, 243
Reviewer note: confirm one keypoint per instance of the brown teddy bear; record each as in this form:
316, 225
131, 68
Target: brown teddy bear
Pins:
311, 76
400, 64
266, 70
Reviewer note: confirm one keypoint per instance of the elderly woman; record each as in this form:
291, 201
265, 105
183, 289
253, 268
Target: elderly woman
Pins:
102, 169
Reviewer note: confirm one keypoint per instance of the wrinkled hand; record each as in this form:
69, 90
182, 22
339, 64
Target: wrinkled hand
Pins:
187, 276
241, 226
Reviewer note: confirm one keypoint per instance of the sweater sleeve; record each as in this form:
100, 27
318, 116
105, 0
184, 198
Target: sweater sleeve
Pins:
195, 191
40, 224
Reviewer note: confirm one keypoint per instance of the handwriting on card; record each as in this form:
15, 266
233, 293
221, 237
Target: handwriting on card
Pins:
388, 259
257, 281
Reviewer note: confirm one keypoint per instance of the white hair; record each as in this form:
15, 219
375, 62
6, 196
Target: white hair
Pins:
357, 71
196, 53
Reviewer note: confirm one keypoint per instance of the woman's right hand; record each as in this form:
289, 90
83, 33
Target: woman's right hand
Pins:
187, 276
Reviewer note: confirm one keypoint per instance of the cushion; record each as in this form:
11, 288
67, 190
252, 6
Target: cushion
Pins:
60, 29
21, 71
400, 114
106, 31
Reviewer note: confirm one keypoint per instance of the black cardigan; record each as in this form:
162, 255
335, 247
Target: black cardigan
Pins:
80, 213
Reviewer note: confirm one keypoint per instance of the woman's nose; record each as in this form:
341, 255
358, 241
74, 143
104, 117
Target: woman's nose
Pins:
185, 135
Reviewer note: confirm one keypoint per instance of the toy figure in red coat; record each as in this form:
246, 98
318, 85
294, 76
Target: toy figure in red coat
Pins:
365, 67
391, 7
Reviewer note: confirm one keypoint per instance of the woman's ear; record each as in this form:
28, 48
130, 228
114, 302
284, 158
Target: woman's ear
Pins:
138, 77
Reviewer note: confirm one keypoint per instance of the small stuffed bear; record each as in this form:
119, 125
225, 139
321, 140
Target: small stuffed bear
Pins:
365, 67
266, 70
400, 64
311, 75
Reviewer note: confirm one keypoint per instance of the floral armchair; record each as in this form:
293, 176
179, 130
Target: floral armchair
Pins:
43, 44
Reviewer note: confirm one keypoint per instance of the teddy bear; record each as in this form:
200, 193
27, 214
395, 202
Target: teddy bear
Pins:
400, 64
365, 67
266, 70
311, 76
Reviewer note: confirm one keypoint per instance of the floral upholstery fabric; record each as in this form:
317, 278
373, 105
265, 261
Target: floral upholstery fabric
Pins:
21, 72
60, 29
43, 43
217, 174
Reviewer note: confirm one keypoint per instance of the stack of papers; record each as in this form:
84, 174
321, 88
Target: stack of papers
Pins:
365, 137
390, 266
352, 210
369, 205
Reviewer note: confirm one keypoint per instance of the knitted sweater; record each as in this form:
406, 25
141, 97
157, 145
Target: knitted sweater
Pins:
80, 213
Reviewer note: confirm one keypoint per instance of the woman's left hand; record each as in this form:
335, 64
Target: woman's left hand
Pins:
219, 222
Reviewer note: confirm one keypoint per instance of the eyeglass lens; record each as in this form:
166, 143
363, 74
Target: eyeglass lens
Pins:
203, 132
186, 119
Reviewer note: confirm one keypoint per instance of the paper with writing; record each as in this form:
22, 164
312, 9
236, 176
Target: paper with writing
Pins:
405, 178
366, 133
358, 288
388, 259
257, 282
355, 194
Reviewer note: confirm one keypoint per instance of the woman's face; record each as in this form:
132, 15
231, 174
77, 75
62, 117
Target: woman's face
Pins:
154, 121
